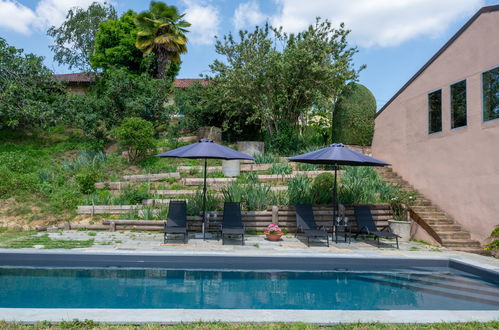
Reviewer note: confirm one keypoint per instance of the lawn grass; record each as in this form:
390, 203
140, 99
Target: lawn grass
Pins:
29, 239
84, 325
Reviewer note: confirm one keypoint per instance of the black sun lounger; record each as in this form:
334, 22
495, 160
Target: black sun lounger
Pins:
232, 224
305, 223
366, 225
176, 223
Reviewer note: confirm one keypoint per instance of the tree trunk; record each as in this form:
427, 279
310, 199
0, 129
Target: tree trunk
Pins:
163, 64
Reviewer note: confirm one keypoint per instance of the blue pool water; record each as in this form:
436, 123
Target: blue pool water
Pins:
159, 288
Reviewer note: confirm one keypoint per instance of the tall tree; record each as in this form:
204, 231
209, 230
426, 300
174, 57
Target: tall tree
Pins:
162, 32
28, 94
269, 79
74, 39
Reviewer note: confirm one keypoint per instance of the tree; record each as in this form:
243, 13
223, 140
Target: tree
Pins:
268, 79
353, 118
115, 46
117, 94
74, 39
28, 94
161, 31
137, 135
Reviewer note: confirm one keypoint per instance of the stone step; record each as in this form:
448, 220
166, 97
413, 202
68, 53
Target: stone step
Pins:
446, 228
474, 250
426, 208
467, 243
438, 222
454, 235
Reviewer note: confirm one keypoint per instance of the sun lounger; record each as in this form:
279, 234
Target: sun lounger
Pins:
305, 224
176, 223
366, 225
232, 224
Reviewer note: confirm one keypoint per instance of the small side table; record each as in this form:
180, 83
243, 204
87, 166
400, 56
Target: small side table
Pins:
212, 226
341, 226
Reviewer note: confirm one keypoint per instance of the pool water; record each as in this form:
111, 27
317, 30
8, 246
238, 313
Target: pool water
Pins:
160, 288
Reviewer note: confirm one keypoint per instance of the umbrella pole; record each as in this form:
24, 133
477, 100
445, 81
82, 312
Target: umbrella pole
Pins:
335, 195
204, 196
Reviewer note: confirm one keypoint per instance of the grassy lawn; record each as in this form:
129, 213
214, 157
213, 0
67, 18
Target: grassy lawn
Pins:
241, 326
28, 239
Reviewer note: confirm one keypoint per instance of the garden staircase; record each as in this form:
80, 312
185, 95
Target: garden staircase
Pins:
433, 219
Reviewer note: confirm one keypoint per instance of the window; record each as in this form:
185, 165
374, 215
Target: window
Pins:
435, 111
458, 104
490, 82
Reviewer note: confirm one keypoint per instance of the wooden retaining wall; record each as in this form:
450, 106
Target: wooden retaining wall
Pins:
284, 216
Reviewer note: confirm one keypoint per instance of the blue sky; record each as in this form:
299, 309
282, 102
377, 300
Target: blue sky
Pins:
395, 37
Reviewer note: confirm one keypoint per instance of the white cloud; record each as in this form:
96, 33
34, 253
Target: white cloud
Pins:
14, 16
53, 12
377, 22
205, 20
17, 17
248, 14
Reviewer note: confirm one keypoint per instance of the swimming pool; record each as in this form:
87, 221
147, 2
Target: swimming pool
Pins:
213, 282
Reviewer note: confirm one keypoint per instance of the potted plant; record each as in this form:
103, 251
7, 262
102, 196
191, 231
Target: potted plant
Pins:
400, 224
273, 232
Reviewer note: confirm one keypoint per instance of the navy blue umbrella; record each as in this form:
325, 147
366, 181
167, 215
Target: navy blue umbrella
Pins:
204, 149
337, 154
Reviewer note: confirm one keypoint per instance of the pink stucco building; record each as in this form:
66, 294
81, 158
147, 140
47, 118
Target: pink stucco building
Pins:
441, 129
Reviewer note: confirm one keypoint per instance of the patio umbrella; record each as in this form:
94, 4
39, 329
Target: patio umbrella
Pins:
204, 149
337, 154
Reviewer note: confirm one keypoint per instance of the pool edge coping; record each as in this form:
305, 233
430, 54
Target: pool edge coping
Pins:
172, 316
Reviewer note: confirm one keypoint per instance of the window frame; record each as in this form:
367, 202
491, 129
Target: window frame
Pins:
428, 110
483, 95
465, 99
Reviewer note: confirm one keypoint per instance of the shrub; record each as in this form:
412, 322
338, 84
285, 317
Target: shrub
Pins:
280, 168
86, 181
131, 195
363, 185
195, 203
353, 118
136, 135
256, 196
299, 190
493, 245
266, 158
322, 188
233, 192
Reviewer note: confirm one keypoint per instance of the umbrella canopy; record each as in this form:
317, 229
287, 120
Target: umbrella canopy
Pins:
204, 149
337, 154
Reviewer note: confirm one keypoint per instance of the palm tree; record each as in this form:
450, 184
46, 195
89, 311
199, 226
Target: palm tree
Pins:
161, 31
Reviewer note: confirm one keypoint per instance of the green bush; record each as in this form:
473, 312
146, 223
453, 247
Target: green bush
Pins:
280, 168
266, 158
86, 181
195, 203
283, 142
299, 190
493, 245
137, 135
257, 196
233, 192
353, 117
322, 189
19, 162
131, 195
363, 185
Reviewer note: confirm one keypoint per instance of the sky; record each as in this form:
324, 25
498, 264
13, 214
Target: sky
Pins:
395, 38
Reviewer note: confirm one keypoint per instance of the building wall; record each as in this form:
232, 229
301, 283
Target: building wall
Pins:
458, 169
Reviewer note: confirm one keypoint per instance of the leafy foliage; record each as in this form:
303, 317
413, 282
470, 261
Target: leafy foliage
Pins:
268, 79
116, 95
280, 168
299, 190
115, 46
493, 245
322, 189
136, 135
353, 119
74, 39
28, 94
161, 30
363, 185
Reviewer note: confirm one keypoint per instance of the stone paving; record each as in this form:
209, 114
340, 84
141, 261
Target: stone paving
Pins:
258, 245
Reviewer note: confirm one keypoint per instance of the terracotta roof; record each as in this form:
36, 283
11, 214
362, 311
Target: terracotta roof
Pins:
89, 77
486, 9
184, 83
80, 77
